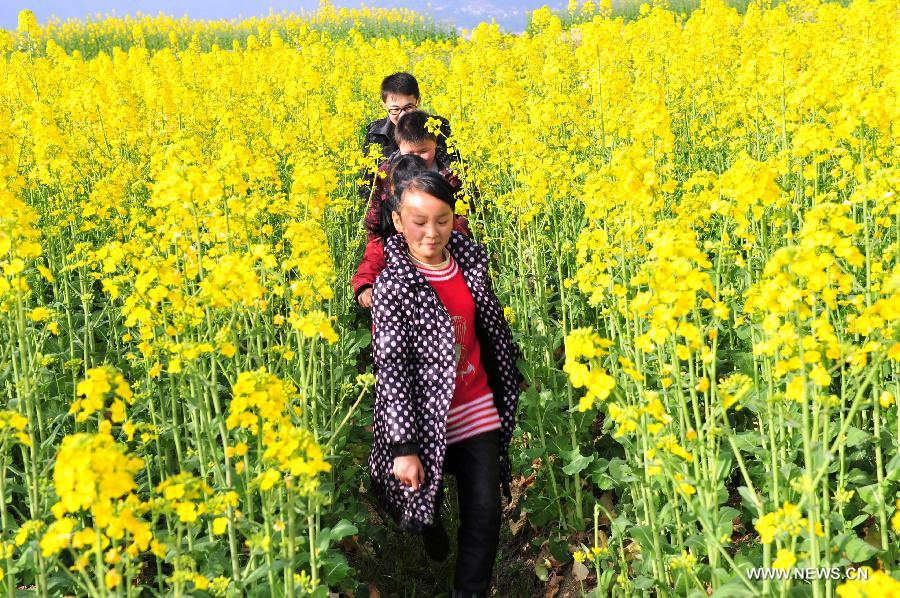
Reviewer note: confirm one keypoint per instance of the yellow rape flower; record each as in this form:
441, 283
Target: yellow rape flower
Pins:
39, 314
219, 525
57, 536
785, 559
112, 579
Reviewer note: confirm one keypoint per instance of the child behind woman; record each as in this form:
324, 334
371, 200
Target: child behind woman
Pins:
413, 140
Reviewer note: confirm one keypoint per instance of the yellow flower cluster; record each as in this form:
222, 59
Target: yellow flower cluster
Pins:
263, 400
733, 389
686, 560
585, 344
19, 241
592, 553
674, 274
310, 259
874, 584
786, 521
91, 471
104, 387
12, 425
312, 324
187, 498
295, 453
181, 32
259, 397
93, 474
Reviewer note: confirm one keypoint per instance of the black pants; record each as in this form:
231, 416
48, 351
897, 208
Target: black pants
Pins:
475, 462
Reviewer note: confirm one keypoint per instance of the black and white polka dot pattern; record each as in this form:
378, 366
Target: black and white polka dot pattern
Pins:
415, 372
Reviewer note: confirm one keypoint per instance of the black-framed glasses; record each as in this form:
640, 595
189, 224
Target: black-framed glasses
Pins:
395, 110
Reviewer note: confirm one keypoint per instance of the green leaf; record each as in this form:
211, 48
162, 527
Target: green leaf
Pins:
869, 495
621, 471
858, 550
857, 477
748, 499
720, 576
855, 437
695, 543
733, 589
620, 525
644, 537
726, 517
749, 442
323, 541
342, 529
743, 361
723, 466
335, 572
603, 481
560, 551
575, 462
263, 569
541, 571
892, 469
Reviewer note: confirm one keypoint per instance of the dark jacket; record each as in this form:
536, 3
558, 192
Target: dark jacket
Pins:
416, 375
381, 132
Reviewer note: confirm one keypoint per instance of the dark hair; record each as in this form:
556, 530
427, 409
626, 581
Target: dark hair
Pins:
401, 84
410, 128
400, 169
425, 181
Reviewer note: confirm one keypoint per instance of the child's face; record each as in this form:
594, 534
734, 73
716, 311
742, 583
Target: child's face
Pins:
398, 105
424, 149
426, 223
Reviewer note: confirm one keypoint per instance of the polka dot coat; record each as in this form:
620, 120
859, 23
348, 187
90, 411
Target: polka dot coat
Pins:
416, 372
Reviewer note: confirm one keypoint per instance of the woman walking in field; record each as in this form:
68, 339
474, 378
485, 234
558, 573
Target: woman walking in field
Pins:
447, 383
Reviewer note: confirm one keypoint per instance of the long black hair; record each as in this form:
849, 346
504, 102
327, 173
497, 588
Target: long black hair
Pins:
424, 181
399, 169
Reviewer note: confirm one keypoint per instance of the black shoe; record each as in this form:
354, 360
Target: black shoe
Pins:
437, 544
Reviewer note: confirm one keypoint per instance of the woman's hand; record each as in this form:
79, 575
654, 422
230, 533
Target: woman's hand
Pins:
408, 469
365, 298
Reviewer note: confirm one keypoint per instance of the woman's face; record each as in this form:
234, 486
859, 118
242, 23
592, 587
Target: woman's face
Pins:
425, 222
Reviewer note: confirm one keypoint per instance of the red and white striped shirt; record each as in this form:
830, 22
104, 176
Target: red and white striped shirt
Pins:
472, 409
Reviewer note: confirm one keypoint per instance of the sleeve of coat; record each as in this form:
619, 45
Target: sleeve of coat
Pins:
393, 387
371, 265
472, 189
461, 224
376, 198
364, 188
474, 197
